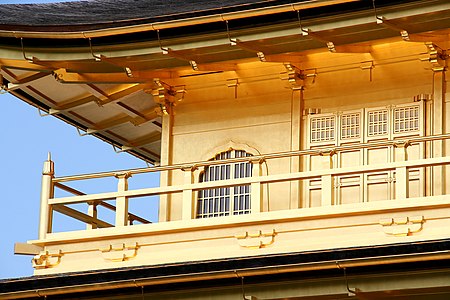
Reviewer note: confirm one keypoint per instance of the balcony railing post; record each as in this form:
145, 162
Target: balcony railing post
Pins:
45, 215
188, 194
92, 211
401, 151
327, 180
401, 183
256, 191
121, 201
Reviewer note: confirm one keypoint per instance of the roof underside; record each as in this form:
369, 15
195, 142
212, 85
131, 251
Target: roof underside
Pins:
103, 79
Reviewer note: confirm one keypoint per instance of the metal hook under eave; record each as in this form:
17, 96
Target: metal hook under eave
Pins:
244, 297
375, 11
80, 132
122, 149
345, 277
303, 31
164, 50
233, 42
96, 57
42, 113
23, 51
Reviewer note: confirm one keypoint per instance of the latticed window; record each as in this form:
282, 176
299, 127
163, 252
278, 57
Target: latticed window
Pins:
406, 119
350, 126
377, 122
225, 201
323, 129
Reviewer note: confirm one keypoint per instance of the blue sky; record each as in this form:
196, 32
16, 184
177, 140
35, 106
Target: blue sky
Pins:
26, 138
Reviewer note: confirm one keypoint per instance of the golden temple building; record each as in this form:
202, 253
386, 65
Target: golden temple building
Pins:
303, 147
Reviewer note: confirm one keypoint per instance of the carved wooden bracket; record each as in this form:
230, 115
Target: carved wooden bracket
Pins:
119, 252
402, 226
46, 260
256, 240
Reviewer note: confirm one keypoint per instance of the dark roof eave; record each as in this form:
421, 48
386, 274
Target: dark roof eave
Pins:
53, 25
381, 258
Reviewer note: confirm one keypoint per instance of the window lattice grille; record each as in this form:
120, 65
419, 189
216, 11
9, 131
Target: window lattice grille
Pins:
406, 119
350, 125
225, 201
323, 129
377, 122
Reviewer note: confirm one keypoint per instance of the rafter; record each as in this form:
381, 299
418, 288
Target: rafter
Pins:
25, 78
63, 76
440, 40
80, 66
24, 65
143, 141
251, 46
121, 119
394, 25
73, 104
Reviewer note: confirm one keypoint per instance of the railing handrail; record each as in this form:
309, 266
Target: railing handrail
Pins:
315, 151
249, 180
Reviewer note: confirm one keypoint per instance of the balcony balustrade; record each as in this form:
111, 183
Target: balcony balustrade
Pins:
401, 216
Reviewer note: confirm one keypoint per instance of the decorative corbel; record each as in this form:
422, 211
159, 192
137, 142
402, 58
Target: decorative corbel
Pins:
402, 226
166, 96
119, 252
45, 259
257, 239
436, 56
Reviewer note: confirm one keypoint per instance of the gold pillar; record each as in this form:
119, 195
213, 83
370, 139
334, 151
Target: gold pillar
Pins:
438, 123
166, 159
296, 123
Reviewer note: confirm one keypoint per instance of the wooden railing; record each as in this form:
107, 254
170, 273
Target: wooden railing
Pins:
189, 188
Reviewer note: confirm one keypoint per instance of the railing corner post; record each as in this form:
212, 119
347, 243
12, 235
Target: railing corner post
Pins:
256, 191
188, 193
122, 201
45, 214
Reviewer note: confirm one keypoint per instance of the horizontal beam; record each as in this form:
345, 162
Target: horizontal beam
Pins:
27, 249
80, 216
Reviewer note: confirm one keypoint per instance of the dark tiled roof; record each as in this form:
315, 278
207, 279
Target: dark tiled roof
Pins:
118, 12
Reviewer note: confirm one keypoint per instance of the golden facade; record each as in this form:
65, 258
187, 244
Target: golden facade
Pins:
300, 150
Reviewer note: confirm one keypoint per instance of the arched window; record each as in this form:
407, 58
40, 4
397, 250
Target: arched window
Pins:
225, 201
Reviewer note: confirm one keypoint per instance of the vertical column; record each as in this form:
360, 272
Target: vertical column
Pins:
438, 181
122, 201
256, 191
296, 118
187, 212
166, 159
327, 180
45, 214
